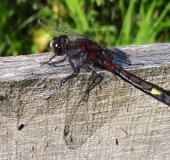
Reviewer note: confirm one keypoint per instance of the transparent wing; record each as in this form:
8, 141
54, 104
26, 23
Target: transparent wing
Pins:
55, 31
83, 118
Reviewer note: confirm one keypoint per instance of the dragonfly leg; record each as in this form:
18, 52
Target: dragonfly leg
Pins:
48, 60
76, 70
96, 80
53, 63
66, 78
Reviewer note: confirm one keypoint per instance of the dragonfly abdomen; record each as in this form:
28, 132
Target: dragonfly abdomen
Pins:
138, 82
135, 81
145, 86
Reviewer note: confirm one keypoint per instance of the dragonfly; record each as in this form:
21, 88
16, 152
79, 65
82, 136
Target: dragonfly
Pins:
83, 53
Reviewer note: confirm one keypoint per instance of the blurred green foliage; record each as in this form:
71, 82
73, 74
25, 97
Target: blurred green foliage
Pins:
111, 22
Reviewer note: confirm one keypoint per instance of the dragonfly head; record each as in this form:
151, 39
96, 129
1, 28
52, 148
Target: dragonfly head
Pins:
59, 45
56, 46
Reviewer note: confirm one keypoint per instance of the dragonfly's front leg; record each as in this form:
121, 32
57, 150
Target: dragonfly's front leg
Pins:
54, 63
48, 60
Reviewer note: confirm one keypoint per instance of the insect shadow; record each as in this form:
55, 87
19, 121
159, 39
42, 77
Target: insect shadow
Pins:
85, 115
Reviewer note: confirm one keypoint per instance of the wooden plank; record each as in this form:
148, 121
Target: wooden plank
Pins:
117, 122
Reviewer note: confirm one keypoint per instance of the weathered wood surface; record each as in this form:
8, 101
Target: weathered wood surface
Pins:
117, 122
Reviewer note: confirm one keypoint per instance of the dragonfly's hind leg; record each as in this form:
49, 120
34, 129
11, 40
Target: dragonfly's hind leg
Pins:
66, 79
76, 70
96, 80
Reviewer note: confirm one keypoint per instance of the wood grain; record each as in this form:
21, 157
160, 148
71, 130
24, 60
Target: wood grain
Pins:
117, 122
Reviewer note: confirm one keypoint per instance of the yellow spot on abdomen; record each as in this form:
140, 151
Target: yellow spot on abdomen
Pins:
155, 91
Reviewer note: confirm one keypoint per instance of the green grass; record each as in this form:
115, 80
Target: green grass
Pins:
111, 23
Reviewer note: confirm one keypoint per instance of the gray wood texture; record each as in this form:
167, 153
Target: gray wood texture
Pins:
117, 122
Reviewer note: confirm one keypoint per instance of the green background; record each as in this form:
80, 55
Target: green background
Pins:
109, 22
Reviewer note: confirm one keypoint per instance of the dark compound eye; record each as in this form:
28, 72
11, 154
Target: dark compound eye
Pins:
54, 43
56, 47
